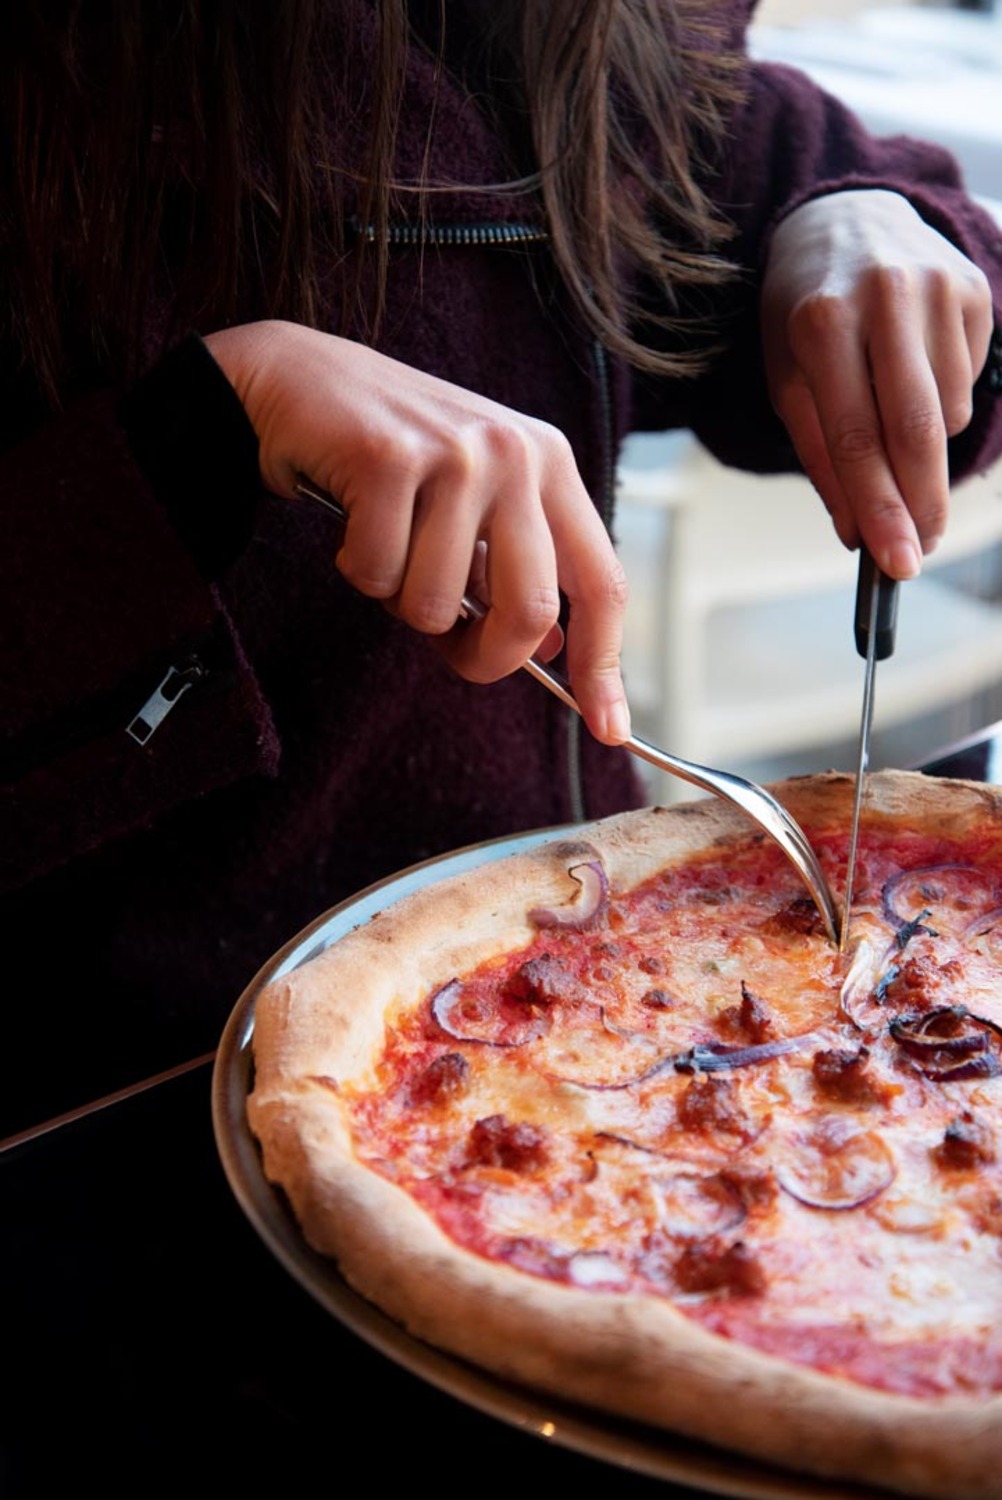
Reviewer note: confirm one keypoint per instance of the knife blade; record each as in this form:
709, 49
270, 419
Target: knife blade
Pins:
875, 624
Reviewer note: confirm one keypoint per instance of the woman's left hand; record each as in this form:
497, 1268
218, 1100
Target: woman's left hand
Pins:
875, 329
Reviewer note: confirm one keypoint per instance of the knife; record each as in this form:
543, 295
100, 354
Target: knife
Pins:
875, 624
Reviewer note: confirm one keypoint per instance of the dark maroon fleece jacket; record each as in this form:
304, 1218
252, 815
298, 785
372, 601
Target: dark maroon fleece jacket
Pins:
318, 745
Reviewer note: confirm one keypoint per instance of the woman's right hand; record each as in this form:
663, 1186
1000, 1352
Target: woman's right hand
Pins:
445, 492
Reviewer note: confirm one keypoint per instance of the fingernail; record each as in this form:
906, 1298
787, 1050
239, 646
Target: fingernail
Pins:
618, 721
551, 645
903, 560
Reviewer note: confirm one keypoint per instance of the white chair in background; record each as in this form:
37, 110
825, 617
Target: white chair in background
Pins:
739, 638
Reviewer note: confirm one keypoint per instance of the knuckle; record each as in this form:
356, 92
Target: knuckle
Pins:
933, 523
886, 513
981, 289
373, 585
892, 283
509, 444
538, 612
919, 427
460, 456
430, 614
854, 441
812, 321
617, 586
941, 286
557, 446
554, 453
402, 458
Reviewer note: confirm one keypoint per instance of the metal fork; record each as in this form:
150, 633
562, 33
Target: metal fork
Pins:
753, 800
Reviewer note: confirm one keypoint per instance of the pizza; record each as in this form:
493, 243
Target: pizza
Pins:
613, 1119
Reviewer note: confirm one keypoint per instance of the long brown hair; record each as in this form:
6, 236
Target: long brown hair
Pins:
165, 145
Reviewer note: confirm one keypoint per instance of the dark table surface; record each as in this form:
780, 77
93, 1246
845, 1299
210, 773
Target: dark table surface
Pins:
151, 1341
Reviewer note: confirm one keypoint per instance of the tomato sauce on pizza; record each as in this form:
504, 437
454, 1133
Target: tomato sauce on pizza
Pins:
662, 1086
684, 1095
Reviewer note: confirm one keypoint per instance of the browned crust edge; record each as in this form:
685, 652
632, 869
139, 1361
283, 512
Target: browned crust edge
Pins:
636, 1357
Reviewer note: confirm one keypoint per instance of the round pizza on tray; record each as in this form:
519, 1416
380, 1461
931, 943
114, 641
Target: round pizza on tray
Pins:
613, 1119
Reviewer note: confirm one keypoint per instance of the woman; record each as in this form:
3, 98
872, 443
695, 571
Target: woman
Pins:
440, 270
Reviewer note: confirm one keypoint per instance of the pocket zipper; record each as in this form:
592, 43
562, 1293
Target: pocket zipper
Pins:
175, 682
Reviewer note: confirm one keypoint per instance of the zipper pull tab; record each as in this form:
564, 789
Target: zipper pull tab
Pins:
175, 683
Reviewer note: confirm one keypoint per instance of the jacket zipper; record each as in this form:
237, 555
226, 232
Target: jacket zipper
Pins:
459, 235
115, 713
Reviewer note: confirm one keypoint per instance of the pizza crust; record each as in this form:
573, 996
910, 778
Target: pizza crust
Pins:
633, 1356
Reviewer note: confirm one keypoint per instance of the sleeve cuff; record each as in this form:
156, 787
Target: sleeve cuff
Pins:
193, 440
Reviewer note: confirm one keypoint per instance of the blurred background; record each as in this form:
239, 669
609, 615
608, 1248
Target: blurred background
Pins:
739, 650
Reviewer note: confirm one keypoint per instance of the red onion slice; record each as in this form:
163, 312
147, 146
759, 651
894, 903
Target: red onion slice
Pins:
709, 1057
949, 1043
861, 996
691, 1205
983, 1065
937, 1031
501, 1023
687, 1201
836, 1167
984, 934
603, 1086
587, 908
715, 1057
948, 892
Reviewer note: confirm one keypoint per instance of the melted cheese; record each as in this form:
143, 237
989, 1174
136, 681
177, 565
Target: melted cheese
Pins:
655, 1167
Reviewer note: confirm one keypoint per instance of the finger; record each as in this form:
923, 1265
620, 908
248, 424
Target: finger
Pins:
521, 586
376, 540
957, 339
594, 646
443, 548
910, 406
796, 407
979, 317
478, 588
595, 584
850, 421
551, 645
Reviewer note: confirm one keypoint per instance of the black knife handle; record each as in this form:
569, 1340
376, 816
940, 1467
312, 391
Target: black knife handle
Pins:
876, 608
